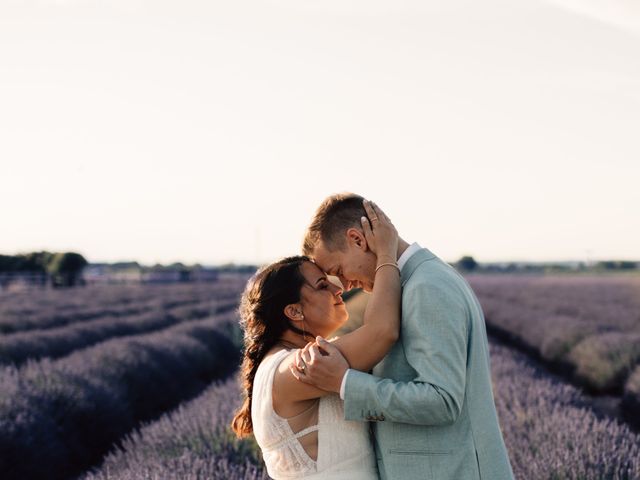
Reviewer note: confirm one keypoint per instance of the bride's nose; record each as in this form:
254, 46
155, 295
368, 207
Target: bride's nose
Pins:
337, 289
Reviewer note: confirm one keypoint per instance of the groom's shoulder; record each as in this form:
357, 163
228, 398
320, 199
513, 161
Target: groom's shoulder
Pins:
435, 275
425, 267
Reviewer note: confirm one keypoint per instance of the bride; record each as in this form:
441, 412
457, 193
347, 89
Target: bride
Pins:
301, 429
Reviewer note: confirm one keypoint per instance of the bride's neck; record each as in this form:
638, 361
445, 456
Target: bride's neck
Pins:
292, 339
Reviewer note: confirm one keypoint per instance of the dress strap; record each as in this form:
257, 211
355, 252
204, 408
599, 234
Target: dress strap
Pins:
306, 431
291, 438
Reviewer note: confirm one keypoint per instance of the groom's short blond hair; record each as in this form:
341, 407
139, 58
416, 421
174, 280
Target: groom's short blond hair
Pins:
333, 217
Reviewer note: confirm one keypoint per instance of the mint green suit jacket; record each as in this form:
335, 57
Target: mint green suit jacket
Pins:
431, 397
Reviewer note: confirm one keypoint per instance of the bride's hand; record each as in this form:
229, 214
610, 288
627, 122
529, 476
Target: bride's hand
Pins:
381, 235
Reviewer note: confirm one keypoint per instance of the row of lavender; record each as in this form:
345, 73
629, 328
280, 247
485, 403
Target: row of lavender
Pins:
551, 431
21, 346
192, 442
631, 398
59, 417
44, 309
548, 427
584, 326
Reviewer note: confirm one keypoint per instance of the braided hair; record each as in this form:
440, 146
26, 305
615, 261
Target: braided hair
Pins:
263, 321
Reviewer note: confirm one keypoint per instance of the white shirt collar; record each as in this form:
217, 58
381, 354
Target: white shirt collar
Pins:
404, 258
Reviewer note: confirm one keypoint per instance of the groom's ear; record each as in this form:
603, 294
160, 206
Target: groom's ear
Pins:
356, 238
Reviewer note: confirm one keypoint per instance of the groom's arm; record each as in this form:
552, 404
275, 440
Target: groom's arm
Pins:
434, 336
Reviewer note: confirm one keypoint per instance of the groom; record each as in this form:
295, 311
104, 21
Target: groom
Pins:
431, 395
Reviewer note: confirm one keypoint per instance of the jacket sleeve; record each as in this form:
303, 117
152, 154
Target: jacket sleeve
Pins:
434, 335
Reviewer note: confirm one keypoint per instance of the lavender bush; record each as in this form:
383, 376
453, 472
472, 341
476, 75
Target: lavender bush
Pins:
605, 361
194, 441
631, 399
191, 467
58, 417
550, 430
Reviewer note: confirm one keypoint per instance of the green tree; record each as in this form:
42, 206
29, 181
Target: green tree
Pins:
617, 265
35, 262
467, 263
38, 261
66, 268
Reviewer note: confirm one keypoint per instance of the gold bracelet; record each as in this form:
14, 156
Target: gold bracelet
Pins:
389, 263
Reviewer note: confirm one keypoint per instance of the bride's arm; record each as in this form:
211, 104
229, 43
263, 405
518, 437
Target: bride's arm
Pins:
366, 346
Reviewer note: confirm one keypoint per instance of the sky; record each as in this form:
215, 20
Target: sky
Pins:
209, 131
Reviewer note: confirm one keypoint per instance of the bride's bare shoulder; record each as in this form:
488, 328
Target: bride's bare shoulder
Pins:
275, 351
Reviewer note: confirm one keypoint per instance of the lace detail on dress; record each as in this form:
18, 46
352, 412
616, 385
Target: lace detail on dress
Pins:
344, 448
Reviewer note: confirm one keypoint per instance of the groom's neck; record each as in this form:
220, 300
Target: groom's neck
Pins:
402, 246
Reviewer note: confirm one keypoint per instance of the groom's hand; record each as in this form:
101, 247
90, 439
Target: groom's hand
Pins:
320, 364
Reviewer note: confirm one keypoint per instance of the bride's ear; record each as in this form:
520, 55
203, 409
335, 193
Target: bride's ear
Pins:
293, 312
356, 238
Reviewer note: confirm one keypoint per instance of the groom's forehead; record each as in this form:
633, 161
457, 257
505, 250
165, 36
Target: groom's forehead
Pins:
325, 259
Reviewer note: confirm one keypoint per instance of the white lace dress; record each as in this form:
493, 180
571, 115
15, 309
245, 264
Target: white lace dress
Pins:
344, 447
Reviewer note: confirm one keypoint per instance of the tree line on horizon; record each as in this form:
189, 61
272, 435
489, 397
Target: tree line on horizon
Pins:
467, 264
61, 269
64, 269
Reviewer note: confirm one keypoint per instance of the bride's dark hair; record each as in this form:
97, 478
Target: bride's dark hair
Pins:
263, 320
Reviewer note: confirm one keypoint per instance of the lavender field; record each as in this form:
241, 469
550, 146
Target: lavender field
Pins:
585, 327
86, 367
549, 428
150, 391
